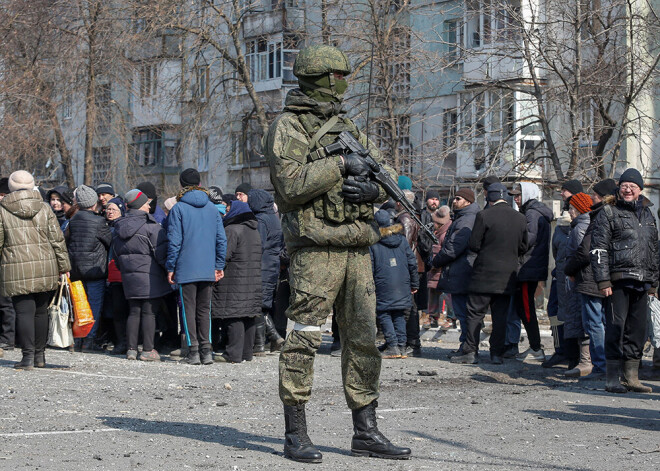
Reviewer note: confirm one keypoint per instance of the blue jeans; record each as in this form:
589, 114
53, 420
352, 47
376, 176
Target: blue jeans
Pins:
393, 324
95, 291
513, 325
459, 305
593, 321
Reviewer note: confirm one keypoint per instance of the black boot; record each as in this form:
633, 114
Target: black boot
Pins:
193, 357
297, 445
27, 363
572, 349
206, 356
40, 359
276, 340
259, 348
367, 439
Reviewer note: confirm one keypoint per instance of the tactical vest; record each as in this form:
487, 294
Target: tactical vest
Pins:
331, 206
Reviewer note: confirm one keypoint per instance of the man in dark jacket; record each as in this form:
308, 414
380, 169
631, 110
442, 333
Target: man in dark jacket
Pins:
140, 248
455, 257
624, 260
156, 211
568, 189
272, 243
578, 266
499, 238
88, 239
396, 279
195, 260
534, 269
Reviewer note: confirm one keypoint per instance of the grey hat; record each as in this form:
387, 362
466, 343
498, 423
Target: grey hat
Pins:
135, 199
85, 196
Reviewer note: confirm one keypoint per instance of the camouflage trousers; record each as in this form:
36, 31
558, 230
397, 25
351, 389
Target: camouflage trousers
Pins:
321, 277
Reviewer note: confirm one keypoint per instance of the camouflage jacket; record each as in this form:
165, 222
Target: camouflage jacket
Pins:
308, 185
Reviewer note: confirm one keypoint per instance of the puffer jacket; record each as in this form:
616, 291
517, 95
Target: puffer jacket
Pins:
455, 257
578, 264
573, 327
238, 294
272, 242
395, 270
624, 243
539, 216
88, 240
140, 251
32, 248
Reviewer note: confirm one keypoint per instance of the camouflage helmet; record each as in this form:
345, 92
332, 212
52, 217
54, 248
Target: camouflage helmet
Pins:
320, 59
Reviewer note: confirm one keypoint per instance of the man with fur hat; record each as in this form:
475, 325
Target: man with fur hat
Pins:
624, 260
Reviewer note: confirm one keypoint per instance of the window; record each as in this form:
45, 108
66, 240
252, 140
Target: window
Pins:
384, 141
201, 91
246, 144
67, 106
449, 129
453, 39
203, 154
400, 69
148, 79
264, 59
156, 147
102, 164
291, 45
104, 113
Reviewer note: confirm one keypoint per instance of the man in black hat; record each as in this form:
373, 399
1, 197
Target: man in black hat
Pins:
242, 191
568, 189
156, 211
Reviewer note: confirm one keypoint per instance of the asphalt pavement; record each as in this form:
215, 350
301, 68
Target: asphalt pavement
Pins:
98, 412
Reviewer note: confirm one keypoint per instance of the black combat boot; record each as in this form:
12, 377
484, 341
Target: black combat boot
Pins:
631, 377
367, 439
276, 340
40, 359
27, 363
297, 445
206, 356
259, 348
193, 357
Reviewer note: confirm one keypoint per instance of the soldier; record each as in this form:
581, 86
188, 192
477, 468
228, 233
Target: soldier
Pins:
328, 226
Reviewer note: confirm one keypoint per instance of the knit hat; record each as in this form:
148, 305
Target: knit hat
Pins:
21, 180
244, 187
67, 196
496, 191
438, 218
148, 189
189, 177
215, 194
432, 194
169, 203
582, 202
489, 180
105, 188
605, 187
120, 204
466, 194
405, 183
135, 199
86, 196
4, 185
631, 175
383, 218
574, 186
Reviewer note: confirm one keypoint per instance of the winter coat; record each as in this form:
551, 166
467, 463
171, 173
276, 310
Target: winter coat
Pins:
573, 328
197, 241
272, 242
32, 248
424, 242
239, 293
411, 231
454, 257
159, 215
140, 251
535, 261
433, 275
559, 249
624, 243
88, 239
578, 264
499, 239
307, 187
395, 270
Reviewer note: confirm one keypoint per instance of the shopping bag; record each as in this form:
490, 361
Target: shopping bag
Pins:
60, 333
654, 321
82, 313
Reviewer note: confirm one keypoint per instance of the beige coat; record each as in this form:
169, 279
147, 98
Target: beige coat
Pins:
32, 248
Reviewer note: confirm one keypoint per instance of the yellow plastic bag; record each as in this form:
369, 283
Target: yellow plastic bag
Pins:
82, 313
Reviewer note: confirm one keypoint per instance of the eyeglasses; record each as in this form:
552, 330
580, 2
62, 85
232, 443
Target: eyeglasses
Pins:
458, 198
629, 187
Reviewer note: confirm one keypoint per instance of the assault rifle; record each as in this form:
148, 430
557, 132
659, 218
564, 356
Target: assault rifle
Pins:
347, 143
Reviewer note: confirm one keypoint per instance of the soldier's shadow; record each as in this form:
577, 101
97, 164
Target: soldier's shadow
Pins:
220, 434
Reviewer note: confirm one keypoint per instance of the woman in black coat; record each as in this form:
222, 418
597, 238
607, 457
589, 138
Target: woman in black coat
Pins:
140, 248
237, 298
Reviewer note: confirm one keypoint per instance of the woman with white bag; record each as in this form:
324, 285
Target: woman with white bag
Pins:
32, 256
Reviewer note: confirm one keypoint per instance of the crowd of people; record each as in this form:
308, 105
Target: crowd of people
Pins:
204, 277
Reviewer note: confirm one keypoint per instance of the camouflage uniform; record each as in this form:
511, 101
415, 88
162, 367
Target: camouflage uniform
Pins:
328, 240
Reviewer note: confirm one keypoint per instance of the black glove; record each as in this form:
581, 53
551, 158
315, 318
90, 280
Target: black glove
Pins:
355, 165
359, 191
